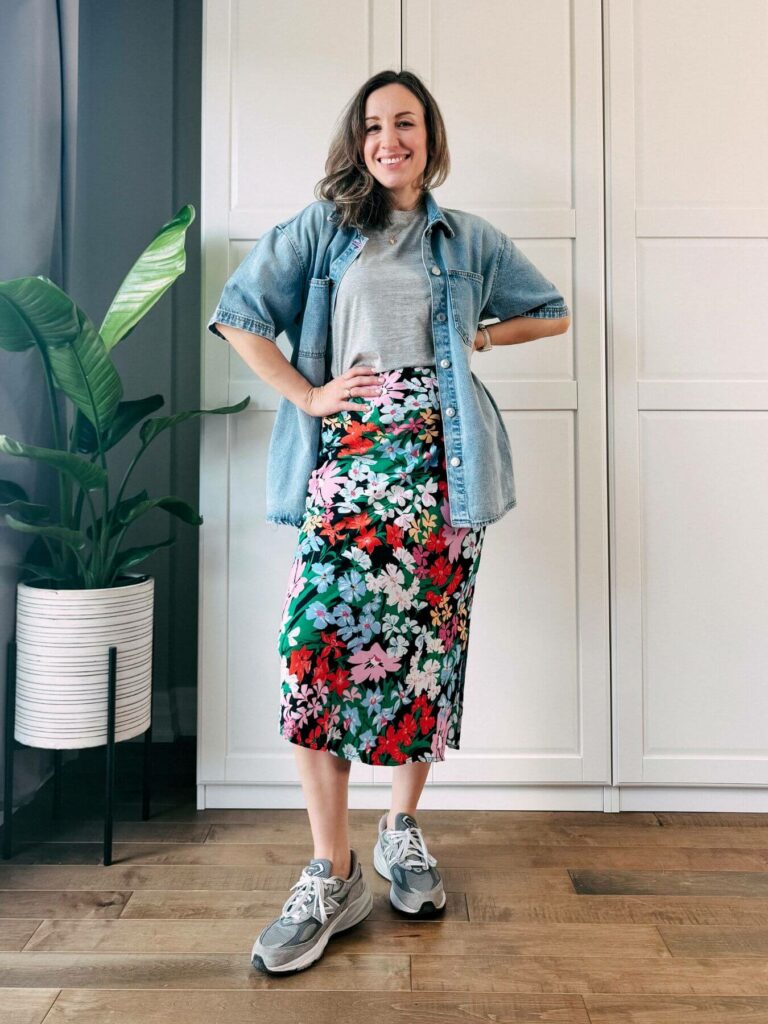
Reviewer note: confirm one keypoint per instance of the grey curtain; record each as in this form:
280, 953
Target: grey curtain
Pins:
38, 131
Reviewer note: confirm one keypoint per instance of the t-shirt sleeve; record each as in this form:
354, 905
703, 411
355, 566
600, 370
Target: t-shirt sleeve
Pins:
265, 293
520, 289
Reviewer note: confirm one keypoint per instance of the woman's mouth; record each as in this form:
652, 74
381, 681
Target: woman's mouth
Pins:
394, 161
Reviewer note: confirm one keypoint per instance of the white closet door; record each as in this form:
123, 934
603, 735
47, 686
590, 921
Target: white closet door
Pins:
520, 87
688, 265
275, 77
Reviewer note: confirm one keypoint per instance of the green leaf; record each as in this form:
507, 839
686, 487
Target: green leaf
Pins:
127, 415
84, 371
151, 428
69, 343
72, 538
26, 511
181, 509
88, 475
132, 556
122, 508
45, 572
33, 307
9, 491
149, 278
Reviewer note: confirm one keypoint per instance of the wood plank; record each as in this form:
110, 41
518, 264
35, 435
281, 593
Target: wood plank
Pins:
64, 904
648, 1009
391, 935
713, 819
15, 934
491, 834
181, 877
254, 904
340, 972
278, 1007
503, 908
25, 1005
290, 820
82, 877
495, 857
715, 940
671, 883
122, 832
717, 976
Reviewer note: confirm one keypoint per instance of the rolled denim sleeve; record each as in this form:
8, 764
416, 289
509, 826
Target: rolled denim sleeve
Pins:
520, 289
265, 294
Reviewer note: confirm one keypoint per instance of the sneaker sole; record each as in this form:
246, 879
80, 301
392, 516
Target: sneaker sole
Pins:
348, 918
427, 909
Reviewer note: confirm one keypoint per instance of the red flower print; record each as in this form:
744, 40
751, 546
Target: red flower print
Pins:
395, 536
300, 662
367, 539
440, 571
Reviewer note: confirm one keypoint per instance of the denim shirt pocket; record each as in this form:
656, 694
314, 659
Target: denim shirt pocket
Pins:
466, 288
314, 333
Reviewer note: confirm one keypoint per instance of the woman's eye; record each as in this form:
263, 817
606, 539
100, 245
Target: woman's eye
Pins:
371, 127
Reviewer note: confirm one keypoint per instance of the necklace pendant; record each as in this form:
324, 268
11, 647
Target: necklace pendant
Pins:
393, 239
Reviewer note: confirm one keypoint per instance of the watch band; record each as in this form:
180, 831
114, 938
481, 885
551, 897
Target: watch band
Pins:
487, 335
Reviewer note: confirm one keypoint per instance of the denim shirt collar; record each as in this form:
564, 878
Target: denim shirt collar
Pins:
434, 215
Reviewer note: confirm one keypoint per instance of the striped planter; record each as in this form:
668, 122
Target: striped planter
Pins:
62, 662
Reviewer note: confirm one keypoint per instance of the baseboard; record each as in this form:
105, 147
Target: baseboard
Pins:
512, 798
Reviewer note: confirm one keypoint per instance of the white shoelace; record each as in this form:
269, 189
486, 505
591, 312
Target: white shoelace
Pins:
310, 899
407, 848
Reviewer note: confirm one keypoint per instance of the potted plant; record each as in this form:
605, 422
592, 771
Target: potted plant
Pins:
77, 596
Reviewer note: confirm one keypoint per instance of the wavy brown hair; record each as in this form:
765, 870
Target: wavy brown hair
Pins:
360, 200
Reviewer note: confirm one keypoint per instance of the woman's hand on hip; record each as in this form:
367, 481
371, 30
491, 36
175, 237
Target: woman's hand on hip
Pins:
333, 397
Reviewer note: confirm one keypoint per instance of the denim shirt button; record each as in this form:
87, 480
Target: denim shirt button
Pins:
436, 271
440, 316
450, 411
455, 460
445, 363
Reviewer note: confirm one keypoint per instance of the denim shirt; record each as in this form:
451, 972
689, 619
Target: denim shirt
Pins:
288, 284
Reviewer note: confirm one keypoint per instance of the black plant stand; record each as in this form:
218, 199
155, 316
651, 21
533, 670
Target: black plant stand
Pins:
10, 722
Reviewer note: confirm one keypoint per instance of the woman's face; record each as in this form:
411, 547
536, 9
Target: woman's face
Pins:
395, 128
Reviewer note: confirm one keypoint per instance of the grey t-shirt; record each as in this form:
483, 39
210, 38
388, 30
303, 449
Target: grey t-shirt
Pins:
383, 312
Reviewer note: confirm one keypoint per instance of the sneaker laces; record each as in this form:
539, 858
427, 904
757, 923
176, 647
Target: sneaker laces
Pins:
407, 847
310, 899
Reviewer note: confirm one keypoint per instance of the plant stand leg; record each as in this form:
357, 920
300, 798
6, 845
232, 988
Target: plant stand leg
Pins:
148, 744
146, 771
111, 702
10, 719
57, 784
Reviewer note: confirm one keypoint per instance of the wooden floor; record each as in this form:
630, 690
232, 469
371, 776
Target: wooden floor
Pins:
568, 917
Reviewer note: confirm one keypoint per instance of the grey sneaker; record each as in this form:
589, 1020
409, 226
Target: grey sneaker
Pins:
401, 855
321, 906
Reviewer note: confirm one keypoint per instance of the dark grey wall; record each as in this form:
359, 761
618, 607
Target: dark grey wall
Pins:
138, 161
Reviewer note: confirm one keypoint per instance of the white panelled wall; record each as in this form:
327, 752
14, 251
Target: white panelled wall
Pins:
618, 650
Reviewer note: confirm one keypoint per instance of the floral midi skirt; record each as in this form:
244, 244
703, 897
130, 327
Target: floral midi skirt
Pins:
375, 624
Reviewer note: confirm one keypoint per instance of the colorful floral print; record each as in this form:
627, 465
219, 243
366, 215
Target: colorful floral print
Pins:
375, 625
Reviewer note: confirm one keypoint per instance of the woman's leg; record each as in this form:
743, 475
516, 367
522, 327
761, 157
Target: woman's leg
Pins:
325, 781
407, 783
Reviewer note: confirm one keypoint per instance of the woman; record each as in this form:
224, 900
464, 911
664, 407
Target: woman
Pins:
375, 624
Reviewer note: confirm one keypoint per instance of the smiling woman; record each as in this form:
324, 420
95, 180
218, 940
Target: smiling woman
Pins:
392, 466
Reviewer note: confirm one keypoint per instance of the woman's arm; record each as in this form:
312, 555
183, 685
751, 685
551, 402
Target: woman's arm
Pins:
523, 328
268, 362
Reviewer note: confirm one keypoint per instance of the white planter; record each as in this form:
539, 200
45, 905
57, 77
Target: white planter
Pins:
62, 662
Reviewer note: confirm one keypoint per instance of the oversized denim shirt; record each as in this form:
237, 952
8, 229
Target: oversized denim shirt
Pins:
288, 283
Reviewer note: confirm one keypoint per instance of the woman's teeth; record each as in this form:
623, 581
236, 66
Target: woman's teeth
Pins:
396, 160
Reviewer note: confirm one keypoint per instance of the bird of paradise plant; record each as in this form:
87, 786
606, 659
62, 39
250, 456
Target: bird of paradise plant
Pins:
75, 359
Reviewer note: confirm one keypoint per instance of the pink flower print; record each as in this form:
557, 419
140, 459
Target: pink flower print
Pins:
441, 732
392, 386
295, 583
452, 535
372, 664
324, 482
